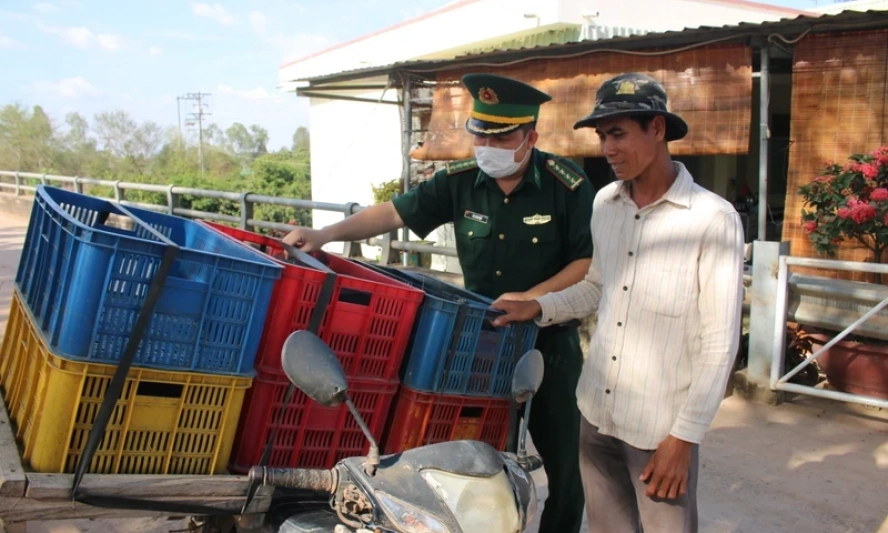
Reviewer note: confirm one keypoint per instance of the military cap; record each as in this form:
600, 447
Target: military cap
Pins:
633, 94
501, 104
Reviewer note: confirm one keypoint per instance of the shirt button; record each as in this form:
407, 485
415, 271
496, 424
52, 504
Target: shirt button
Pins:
614, 358
502, 237
535, 240
619, 324
631, 254
471, 233
499, 273
505, 200
637, 217
608, 391
625, 288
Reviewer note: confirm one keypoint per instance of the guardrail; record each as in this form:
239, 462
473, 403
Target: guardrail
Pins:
246, 201
779, 380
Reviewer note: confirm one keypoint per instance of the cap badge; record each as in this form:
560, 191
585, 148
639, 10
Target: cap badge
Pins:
487, 96
627, 87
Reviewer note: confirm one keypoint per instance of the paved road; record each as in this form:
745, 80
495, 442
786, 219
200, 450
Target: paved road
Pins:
809, 466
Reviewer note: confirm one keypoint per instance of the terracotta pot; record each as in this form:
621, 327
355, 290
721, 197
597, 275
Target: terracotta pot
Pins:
854, 367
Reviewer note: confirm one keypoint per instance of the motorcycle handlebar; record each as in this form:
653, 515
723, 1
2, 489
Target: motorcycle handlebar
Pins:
534, 462
294, 478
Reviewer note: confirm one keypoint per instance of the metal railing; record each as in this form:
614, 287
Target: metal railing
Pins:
780, 382
245, 200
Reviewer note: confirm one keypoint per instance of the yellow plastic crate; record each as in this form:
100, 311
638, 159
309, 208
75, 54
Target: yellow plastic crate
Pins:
164, 422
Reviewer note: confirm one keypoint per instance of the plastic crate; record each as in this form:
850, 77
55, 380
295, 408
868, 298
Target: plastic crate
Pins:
309, 435
163, 423
464, 355
421, 418
86, 267
367, 322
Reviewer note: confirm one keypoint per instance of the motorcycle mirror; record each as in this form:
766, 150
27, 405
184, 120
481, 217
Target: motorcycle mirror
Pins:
313, 367
528, 376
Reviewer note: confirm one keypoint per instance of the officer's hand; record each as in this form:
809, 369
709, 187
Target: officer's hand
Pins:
516, 311
306, 239
513, 297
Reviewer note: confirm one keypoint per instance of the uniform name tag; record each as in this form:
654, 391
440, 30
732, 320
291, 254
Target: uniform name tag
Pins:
477, 217
537, 219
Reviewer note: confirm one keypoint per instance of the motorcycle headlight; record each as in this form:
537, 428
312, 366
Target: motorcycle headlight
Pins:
408, 518
480, 504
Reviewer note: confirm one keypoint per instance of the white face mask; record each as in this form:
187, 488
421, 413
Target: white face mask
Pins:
499, 162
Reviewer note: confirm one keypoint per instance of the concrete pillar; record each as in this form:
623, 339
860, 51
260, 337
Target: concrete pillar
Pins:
754, 381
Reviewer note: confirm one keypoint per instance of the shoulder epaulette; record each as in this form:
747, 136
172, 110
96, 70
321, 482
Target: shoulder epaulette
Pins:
455, 167
566, 175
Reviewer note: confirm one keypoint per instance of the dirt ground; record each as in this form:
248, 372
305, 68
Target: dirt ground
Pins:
807, 465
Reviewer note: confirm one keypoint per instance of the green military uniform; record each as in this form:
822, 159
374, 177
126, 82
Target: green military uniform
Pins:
511, 243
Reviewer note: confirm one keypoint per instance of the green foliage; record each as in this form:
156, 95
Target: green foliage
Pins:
849, 202
386, 190
116, 147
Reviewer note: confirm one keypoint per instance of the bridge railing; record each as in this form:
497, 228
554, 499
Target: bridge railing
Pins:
19, 183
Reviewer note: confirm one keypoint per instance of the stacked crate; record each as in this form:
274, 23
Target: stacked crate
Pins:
367, 322
457, 375
84, 275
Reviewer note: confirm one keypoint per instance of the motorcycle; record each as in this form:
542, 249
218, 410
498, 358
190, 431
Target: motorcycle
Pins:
449, 487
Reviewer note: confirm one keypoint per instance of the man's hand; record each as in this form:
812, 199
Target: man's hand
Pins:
306, 239
515, 311
666, 474
513, 297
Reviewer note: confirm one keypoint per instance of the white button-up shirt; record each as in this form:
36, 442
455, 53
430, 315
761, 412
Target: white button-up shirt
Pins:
667, 283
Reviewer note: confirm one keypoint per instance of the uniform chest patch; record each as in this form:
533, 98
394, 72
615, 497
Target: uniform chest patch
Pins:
477, 217
537, 219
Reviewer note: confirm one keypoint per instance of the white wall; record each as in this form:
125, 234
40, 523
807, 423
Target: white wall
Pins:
446, 28
353, 145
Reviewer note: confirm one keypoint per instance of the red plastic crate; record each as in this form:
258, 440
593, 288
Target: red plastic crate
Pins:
367, 323
309, 435
422, 418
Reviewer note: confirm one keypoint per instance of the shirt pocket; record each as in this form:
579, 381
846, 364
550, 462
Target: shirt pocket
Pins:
470, 231
668, 288
535, 238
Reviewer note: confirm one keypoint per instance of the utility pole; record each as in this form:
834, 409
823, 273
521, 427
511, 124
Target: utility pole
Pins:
179, 119
197, 118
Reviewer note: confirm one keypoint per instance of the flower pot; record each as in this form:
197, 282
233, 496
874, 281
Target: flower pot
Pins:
853, 367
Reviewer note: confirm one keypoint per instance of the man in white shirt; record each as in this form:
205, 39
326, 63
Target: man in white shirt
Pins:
667, 282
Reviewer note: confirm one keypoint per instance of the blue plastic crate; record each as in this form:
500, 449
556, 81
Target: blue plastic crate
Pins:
453, 354
86, 267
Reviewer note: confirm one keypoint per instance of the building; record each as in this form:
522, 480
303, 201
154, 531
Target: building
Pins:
346, 162
855, 5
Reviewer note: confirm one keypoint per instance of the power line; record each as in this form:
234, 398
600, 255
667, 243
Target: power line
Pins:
197, 118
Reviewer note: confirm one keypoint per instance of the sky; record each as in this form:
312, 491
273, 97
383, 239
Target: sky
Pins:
100, 55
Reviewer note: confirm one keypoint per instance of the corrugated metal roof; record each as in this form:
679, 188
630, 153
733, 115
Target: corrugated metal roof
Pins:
788, 27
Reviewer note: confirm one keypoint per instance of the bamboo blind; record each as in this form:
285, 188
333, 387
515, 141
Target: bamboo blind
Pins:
710, 87
838, 108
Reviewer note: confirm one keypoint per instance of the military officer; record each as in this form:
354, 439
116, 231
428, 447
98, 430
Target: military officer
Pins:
521, 218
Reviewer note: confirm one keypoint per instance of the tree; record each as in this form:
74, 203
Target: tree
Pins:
41, 137
301, 141
77, 153
122, 138
260, 139
26, 138
113, 145
240, 142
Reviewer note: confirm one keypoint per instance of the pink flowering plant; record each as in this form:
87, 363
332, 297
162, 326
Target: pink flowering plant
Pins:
849, 202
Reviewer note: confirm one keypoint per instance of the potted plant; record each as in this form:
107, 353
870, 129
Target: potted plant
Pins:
850, 202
